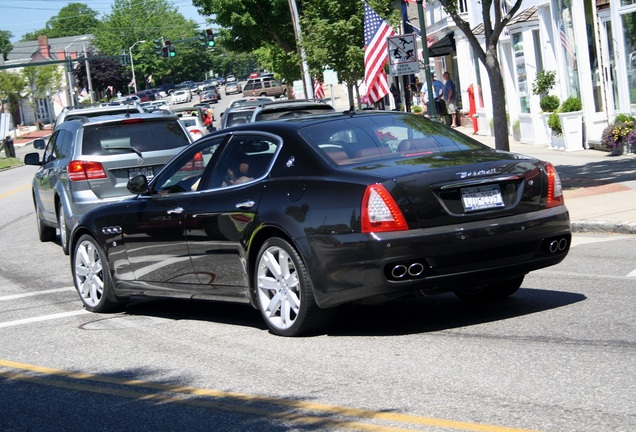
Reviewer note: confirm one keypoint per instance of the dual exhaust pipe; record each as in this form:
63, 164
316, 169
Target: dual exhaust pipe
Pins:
400, 271
558, 245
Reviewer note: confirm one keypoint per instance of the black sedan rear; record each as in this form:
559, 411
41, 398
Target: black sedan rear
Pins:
298, 217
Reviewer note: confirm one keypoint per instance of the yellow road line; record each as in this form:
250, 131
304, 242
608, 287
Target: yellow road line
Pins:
14, 191
242, 397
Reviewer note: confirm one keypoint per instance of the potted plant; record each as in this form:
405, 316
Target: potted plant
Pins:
416, 109
544, 83
620, 136
570, 116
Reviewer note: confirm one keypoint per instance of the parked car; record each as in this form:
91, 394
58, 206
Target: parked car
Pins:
230, 78
233, 87
160, 105
264, 87
181, 96
88, 161
298, 217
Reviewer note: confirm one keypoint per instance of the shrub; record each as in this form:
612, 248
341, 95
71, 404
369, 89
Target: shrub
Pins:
619, 133
544, 82
555, 124
571, 104
550, 103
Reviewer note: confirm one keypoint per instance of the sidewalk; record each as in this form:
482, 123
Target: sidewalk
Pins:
599, 189
28, 137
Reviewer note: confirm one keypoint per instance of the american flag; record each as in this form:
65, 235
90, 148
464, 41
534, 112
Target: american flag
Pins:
319, 93
567, 46
376, 30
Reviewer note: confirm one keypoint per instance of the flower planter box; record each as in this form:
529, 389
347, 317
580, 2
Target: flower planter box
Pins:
572, 126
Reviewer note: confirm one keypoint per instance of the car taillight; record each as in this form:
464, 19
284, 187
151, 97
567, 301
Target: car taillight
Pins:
85, 170
380, 212
555, 191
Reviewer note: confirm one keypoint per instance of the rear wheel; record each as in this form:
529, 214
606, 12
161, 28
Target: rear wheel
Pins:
492, 291
45, 232
91, 276
64, 230
284, 291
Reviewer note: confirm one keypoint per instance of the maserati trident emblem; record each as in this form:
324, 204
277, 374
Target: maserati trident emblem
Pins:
140, 161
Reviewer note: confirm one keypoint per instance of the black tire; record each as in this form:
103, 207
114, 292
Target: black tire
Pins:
64, 229
91, 276
493, 291
45, 232
284, 292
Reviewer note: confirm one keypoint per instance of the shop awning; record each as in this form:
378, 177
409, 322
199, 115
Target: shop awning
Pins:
442, 47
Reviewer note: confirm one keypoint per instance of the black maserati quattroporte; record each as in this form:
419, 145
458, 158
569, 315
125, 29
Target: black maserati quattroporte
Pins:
299, 216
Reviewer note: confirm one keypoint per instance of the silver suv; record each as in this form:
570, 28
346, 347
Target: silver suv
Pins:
88, 162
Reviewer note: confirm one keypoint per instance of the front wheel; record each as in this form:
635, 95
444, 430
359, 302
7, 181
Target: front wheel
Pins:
91, 276
284, 291
493, 291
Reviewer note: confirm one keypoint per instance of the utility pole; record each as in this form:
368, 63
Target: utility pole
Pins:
425, 60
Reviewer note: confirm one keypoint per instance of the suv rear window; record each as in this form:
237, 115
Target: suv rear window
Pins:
113, 138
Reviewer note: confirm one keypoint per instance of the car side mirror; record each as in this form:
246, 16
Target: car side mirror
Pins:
138, 184
32, 159
39, 144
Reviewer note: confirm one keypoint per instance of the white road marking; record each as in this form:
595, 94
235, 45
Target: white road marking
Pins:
35, 293
43, 318
632, 274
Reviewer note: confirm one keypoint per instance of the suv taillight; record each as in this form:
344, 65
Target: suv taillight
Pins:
380, 212
555, 190
85, 170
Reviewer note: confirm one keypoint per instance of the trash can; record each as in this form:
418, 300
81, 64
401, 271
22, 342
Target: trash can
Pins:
9, 149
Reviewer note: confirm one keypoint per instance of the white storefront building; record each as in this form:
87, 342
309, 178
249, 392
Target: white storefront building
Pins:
590, 44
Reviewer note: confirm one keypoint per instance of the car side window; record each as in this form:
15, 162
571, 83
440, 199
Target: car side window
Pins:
64, 145
246, 158
186, 174
50, 152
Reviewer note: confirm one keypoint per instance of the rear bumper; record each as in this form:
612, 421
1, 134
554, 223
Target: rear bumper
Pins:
347, 268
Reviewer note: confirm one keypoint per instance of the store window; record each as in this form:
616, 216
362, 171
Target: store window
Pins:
520, 70
629, 31
566, 38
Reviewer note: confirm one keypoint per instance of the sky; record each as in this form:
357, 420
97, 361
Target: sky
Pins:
24, 16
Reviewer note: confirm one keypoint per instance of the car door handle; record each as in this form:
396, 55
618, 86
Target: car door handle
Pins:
245, 205
176, 210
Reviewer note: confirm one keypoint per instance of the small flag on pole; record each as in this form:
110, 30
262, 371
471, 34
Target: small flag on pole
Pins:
319, 92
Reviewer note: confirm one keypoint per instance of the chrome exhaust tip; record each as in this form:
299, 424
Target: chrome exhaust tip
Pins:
399, 271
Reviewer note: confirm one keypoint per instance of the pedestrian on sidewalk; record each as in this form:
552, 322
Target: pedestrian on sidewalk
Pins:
450, 97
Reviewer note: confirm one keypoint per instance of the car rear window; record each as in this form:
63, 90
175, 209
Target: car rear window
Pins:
145, 136
367, 139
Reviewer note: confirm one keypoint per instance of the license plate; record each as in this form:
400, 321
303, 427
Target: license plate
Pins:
145, 171
481, 197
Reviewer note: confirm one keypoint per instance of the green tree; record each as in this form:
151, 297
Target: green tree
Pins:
333, 38
72, 20
494, 20
5, 43
40, 80
261, 27
12, 85
132, 21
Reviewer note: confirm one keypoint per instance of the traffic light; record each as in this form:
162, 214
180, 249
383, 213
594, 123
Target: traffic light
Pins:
209, 38
168, 49
159, 46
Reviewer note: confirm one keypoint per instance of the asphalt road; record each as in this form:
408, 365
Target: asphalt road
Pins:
557, 356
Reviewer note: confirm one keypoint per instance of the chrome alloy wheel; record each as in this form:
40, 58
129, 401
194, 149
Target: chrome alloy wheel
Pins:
89, 273
278, 287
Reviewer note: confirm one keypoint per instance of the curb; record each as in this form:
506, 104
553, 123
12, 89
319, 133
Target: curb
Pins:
603, 227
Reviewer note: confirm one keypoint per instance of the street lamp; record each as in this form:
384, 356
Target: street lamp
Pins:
132, 64
69, 80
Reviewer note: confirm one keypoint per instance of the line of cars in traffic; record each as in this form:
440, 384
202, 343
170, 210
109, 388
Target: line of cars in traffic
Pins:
296, 210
